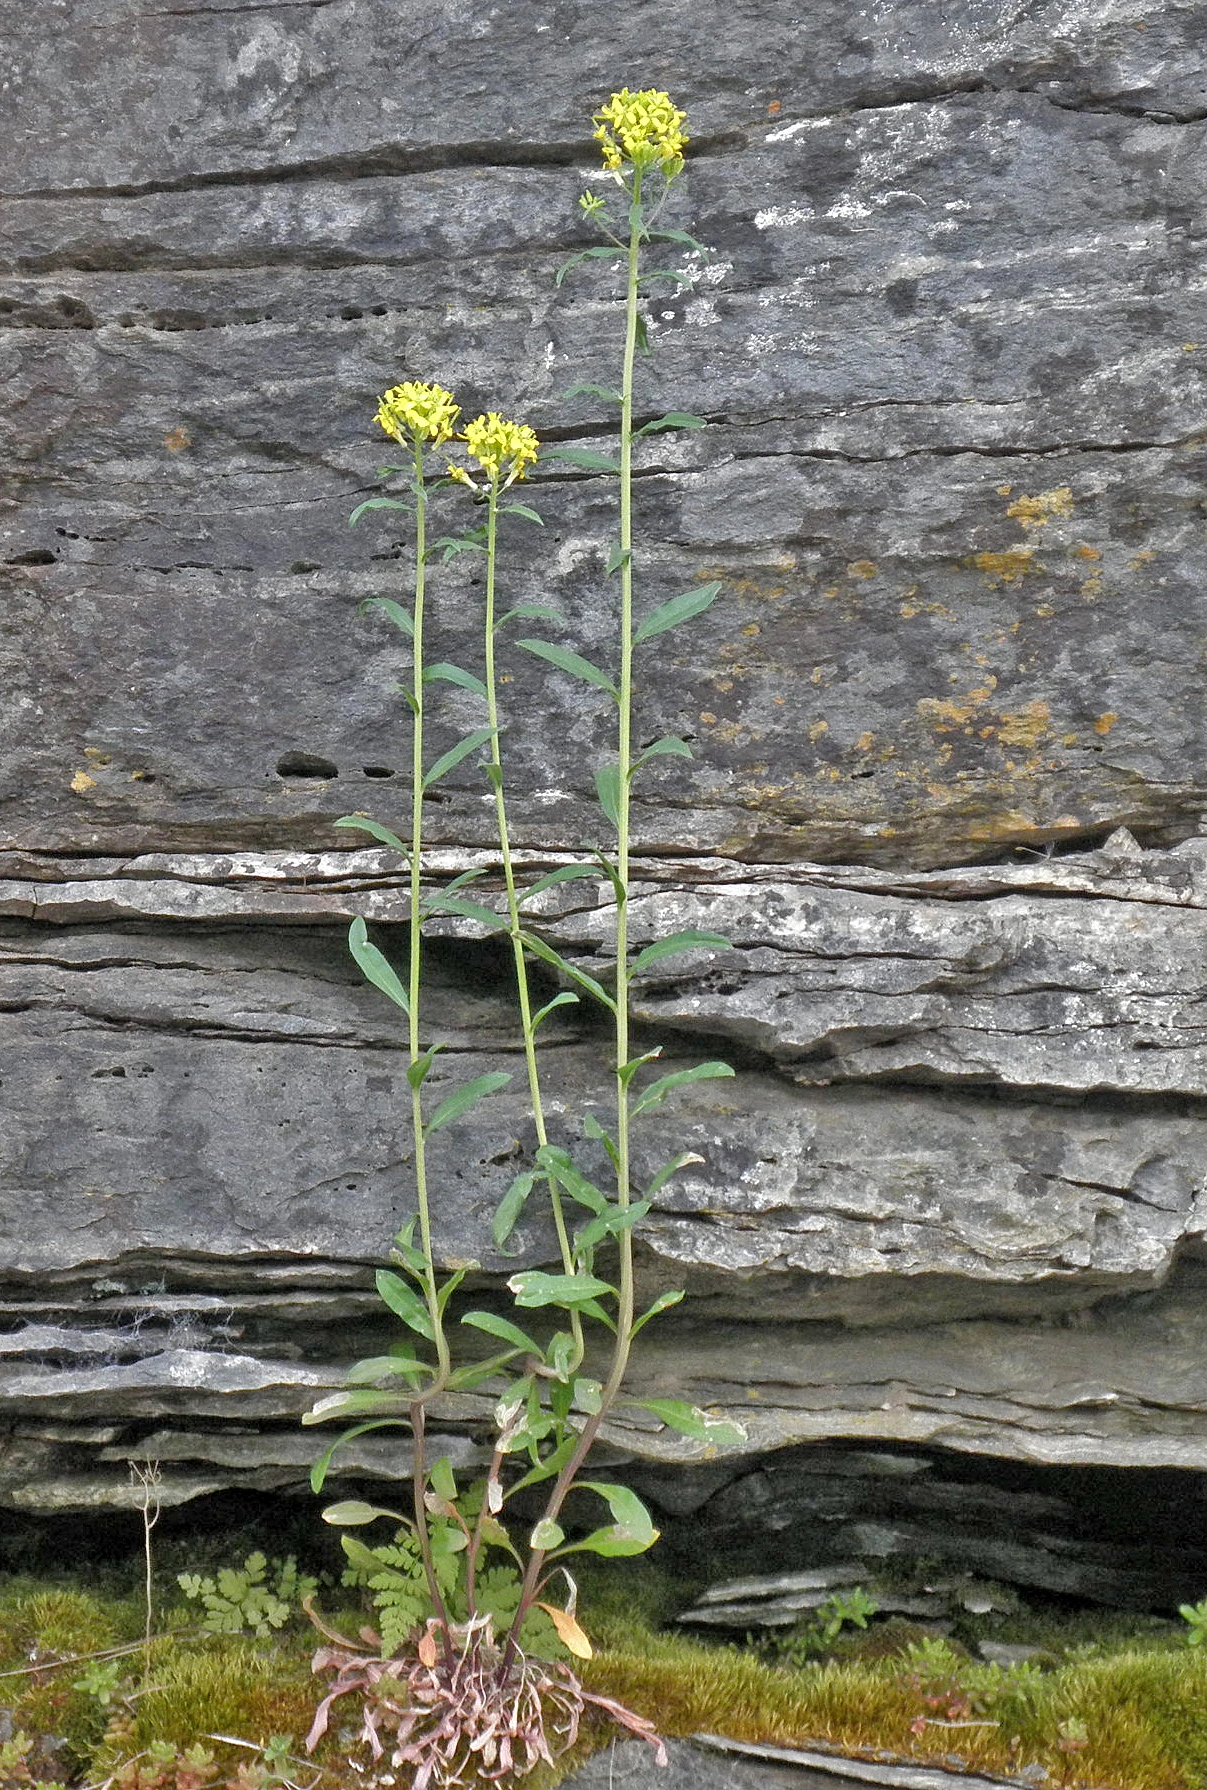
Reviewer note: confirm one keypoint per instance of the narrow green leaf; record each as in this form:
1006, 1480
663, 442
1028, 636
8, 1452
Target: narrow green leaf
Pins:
585, 255
657, 1091
511, 1206
587, 458
440, 1476
453, 674
533, 1288
459, 882
414, 1259
570, 1178
564, 999
667, 747
377, 1367
574, 663
671, 1168
619, 556
565, 873
472, 1375
611, 1223
552, 1463
594, 1129
679, 236
628, 1512
346, 1404
450, 1286
505, 1330
459, 1103
643, 337
679, 609
468, 910
448, 760
674, 419
417, 1071
674, 944
402, 618
662, 1303
530, 612
689, 1420
594, 391
607, 788
321, 1467
522, 509
362, 824
373, 965
547, 954
613, 1543
628, 1070
377, 503
405, 1303
352, 1512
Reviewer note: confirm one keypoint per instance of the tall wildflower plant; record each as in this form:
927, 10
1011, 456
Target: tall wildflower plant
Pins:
471, 1677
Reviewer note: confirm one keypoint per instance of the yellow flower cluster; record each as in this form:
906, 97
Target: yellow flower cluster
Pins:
415, 412
503, 450
644, 129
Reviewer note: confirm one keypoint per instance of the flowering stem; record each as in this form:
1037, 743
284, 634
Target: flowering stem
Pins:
413, 997
624, 1315
495, 773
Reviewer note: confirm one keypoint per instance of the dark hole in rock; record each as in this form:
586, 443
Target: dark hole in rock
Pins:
37, 556
378, 770
300, 566
350, 313
305, 764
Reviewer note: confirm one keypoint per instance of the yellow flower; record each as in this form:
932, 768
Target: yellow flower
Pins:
503, 450
644, 129
416, 412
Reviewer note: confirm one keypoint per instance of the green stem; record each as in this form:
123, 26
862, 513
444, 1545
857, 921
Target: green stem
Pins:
416, 934
440, 1379
513, 905
624, 1314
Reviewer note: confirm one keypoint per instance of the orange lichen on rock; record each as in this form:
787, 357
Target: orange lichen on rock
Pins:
1038, 511
1007, 567
1027, 726
1105, 722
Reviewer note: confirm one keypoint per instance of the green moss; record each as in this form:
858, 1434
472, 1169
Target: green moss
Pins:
1123, 1704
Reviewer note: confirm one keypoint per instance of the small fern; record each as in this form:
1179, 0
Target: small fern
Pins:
246, 1599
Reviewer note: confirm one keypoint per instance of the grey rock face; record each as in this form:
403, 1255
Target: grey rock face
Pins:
948, 349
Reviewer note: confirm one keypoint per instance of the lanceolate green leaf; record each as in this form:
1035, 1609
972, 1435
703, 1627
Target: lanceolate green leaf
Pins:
362, 824
662, 1303
587, 458
507, 1216
547, 954
667, 747
456, 1105
505, 1330
404, 1302
321, 1467
401, 617
533, 1288
377, 503
584, 255
453, 674
679, 609
690, 1421
607, 788
611, 1223
450, 759
574, 663
374, 966
565, 873
674, 419
657, 1091
674, 944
